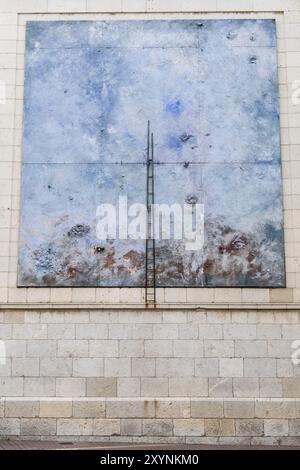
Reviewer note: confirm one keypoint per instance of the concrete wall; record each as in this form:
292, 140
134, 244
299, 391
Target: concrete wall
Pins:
209, 364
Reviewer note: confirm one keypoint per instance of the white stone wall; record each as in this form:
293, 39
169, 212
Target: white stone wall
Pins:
209, 365
175, 376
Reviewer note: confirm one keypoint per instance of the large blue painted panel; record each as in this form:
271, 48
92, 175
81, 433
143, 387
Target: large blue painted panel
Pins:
209, 89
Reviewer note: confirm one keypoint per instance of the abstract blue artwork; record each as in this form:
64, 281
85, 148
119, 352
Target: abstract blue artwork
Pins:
210, 90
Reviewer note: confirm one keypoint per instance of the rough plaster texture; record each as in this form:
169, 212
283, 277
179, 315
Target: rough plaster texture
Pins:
92, 363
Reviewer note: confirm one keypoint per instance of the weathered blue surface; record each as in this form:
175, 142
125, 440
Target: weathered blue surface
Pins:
209, 89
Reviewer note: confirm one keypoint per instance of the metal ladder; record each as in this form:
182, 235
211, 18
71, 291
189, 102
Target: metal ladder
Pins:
150, 291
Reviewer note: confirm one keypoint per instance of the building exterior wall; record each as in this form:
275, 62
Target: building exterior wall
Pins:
175, 375
208, 365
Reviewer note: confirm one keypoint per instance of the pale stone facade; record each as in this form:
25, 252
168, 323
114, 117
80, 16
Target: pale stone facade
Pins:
208, 365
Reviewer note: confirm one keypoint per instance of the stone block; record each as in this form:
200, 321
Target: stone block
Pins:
231, 367
168, 408
290, 331
251, 348
60, 331
174, 367
260, 367
154, 387
87, 367
280, 348
211, 331
275, 408
236, 331
11, 386
291, 387
142, 331
206, 367
107, 427
38, 427
131, 427
101, 387
131, 348
74, 427
268, 331
218, 348
188, 331
122, 408
88, 408
249, 427
21, 408
158, 348
9, 427
188, 386
246, 387
39, 386
207, 408
269, 387
66, 5
220, 387
239, 408
56, 367
72, 348
44, 348
219, 427
91, 331
168, 331
103, 348
55, 408
129, 387
294, 428
120, 331
276, 427
78, 316
70, 387
174, 316
25, 366
29, 331
188, 427
158, 427
188, 348
281, 295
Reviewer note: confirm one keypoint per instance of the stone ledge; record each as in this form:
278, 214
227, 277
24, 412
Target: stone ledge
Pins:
141, 306
152, 407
